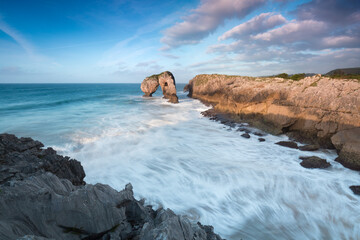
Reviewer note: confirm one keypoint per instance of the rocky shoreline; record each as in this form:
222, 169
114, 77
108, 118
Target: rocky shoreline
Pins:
43, 196
317, 110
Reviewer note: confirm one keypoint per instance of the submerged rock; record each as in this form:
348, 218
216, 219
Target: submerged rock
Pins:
289, 144
261, 139
314, 162
167, 83
38, 202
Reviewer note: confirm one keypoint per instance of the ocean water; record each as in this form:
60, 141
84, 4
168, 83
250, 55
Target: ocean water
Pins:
177, 159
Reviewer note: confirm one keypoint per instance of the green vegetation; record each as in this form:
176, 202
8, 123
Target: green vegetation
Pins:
295, 77
156, 76
347, 76
283, 75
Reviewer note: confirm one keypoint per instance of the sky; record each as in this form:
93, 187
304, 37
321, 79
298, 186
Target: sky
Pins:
123, 41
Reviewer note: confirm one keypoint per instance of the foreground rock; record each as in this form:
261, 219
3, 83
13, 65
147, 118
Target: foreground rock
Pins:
167, 83
38, 199
310, 110
314, 162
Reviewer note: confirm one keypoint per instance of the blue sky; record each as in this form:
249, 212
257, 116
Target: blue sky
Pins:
127, 40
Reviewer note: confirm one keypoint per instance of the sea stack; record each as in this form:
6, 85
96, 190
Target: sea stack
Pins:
167, 83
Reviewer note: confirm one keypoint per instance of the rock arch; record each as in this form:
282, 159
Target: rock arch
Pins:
167, 83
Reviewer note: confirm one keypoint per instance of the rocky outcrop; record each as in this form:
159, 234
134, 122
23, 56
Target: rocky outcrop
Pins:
38, 200
310, 110
21, 157
347, 143
167, 83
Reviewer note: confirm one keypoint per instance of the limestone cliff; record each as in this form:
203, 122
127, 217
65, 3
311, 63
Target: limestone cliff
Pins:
311, 109
167, 83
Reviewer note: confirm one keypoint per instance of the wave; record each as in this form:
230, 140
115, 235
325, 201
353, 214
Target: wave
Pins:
32, 106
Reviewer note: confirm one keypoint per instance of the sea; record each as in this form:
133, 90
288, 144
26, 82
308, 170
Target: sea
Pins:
176, 158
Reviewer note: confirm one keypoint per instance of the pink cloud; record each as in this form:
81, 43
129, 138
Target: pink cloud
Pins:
255, 25
294, 31
205, 19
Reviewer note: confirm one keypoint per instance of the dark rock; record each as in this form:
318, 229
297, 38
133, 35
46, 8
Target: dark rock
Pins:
261, 139
242, 129
259, 134
288, 144
314, 162
245, 135
24, 155
355, 189
39, 200
310, 147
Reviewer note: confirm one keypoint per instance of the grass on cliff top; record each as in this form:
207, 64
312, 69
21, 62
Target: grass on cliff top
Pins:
204, 78
156, 76
348, 76
295, 77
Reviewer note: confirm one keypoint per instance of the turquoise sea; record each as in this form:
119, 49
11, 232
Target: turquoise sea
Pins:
178, 159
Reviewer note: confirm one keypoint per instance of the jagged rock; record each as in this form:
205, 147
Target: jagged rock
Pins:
22, 157
167, 83
309, 147
355, 189
314, 162
347, 143
45, 204
288, 144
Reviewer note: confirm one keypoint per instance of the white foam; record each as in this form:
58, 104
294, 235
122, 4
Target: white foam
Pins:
244, 188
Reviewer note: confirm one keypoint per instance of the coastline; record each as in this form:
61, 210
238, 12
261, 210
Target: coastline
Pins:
315, 110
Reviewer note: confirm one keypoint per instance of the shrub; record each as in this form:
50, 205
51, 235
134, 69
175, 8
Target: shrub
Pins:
297, 77
283, 75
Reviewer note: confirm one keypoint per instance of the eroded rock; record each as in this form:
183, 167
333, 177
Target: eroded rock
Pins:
167, 83
310, 110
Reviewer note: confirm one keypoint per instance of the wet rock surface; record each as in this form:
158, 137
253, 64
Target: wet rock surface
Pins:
245, 135
314, 162
309, 147
41, 197
289, 144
